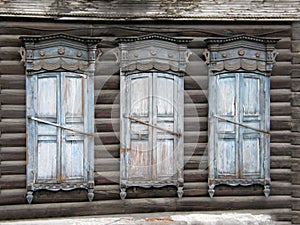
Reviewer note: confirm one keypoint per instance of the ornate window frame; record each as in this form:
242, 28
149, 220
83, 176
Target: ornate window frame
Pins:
65, 64
151, 57
244, 60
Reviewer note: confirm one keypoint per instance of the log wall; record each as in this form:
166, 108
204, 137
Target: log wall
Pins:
283, 203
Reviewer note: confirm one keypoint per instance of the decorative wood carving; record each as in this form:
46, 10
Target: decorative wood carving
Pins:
239, 111
60, 112
152, 112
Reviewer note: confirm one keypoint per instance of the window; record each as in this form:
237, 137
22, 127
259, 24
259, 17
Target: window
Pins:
239, 105
152, 69
60, 115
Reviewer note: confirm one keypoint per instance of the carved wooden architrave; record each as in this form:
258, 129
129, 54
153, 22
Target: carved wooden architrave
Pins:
151, 57
239, 57
69, 59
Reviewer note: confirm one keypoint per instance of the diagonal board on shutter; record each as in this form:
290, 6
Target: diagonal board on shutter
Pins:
154, 126
60, 126
243, 125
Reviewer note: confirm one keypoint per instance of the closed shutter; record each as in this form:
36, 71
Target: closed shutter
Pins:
239, 115
152, 129
48, 137
60, 152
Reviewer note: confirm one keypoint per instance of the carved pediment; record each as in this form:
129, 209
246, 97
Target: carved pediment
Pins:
153, 52
58, 51
240, 53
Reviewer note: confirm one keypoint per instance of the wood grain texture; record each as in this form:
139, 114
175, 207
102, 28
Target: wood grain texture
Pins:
107, 113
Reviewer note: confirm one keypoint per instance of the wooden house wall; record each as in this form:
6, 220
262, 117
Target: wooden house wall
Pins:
283, 203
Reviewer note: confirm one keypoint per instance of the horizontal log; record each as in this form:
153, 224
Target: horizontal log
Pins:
280, 82
195, 109
284, 43
13, 111
13, 167
107, 68
9, 40
107, 151
13, 140
13, 125
281, 149
284, 55
107, 164
13, 153
9, 53
283, 68
111, 82
13, 197
280, 95
107, 96
280, 108
13, 181
280, 162
12, 81
107, 111
282, 175
13, 96
197, 67
280, 122
12, 67
280, 136
196, 82
195, 96
146, 205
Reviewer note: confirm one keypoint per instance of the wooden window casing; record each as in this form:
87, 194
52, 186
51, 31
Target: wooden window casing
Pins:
239, 111
151, 117
59, 113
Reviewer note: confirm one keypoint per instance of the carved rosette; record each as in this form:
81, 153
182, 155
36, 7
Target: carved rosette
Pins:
240, 53
55, 52
153, 52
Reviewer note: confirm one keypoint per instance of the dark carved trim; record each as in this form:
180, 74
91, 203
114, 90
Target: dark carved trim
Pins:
60, 36
154, 37
241, 37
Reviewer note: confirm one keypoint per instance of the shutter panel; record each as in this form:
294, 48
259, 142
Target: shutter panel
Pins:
226, 133
139, 106
164, 114
251, 115
73, 154
47, 136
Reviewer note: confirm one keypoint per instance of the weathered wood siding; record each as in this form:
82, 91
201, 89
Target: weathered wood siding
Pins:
283, 203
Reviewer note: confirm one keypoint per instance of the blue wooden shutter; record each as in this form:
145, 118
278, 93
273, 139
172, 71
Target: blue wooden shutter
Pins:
152, 123
239, 149
74, 145
226, 133
253, 114
239, 110
151, 111
60, 112
165, 113
46, 107
139, 143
